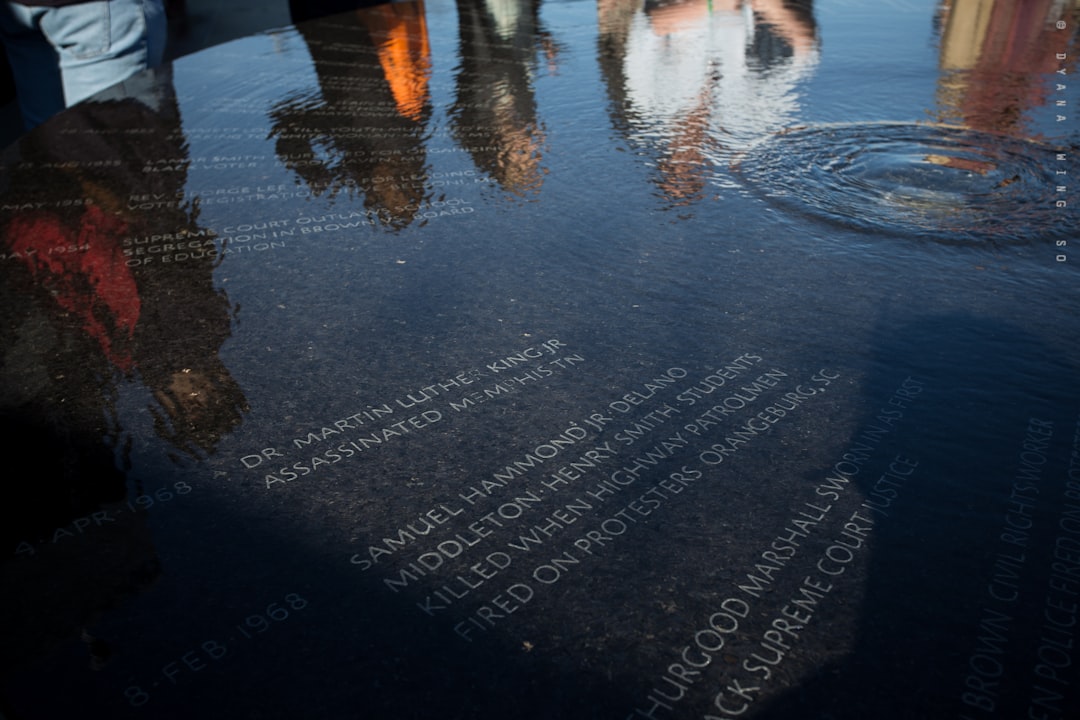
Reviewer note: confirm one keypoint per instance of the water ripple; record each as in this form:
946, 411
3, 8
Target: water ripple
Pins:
941, 182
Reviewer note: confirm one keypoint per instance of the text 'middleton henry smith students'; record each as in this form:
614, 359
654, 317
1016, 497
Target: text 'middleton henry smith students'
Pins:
63, 51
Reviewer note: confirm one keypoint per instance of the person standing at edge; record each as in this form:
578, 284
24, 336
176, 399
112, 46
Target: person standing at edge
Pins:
63, 51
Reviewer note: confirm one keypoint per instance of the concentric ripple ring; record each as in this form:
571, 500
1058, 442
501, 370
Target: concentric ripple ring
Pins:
942, 182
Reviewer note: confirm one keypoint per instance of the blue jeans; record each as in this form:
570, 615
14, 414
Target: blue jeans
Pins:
61, 55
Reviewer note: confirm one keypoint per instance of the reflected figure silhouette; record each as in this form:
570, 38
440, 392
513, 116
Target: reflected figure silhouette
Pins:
103, 307
494, 114
362, 131
696, 81
994, 56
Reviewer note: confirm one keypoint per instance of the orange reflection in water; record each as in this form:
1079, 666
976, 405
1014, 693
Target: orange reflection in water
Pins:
994, 57
400, 33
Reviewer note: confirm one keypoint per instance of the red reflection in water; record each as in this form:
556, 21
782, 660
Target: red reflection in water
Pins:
85, 270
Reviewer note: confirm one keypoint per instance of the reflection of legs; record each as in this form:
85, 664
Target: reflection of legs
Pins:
61, 55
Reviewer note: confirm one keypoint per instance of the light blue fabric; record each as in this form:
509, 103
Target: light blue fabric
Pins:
61, 55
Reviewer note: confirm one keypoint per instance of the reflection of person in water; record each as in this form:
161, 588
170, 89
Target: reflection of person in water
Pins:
85, 313
994, 56
365, 131
699, 79
494, 112
147, 314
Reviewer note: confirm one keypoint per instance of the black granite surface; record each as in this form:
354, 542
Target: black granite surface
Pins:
561, 360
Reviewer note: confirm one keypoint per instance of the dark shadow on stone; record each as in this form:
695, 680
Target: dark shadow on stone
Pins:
304, 10
952, 621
